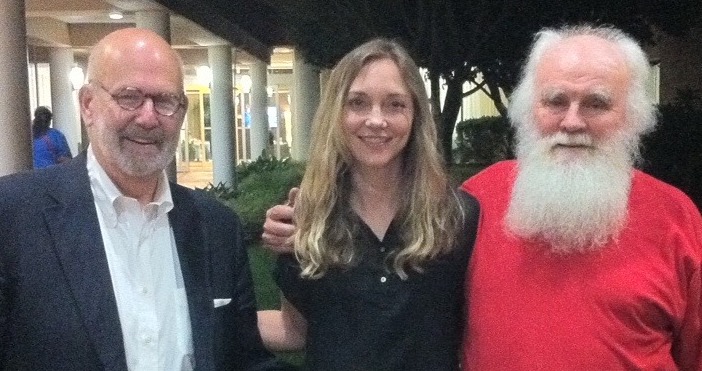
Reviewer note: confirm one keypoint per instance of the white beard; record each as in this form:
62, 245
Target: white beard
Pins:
573, 199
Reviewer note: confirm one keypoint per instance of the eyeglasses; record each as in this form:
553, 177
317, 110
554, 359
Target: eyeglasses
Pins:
130, 99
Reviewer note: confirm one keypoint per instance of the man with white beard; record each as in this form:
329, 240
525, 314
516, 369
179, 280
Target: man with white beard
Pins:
582, 262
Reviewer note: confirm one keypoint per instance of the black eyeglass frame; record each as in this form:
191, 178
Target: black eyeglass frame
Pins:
177, 101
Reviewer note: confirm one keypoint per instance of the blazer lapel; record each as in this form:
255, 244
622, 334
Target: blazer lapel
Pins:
73, 223
194, 265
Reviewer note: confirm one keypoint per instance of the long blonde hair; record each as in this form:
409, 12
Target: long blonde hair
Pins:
428, 213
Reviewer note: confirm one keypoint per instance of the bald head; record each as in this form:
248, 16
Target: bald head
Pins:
133, 107
121, 51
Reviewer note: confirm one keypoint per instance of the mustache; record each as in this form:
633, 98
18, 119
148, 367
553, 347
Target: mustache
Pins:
570, 140
133, 132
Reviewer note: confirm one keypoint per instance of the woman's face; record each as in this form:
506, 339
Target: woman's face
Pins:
378, 115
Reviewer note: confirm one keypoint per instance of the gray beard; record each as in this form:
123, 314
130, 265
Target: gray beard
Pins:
133, 164
573, 202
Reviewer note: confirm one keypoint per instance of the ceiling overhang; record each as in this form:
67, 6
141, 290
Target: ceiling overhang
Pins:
232, 20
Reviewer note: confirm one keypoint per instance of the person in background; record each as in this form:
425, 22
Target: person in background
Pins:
49, 146
104, 264
377, 273
581, 261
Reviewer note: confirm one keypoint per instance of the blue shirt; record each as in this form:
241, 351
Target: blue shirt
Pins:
48, 148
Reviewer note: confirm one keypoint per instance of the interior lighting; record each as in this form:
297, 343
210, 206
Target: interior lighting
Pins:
246, 83
203, 74
77, 77
116, 15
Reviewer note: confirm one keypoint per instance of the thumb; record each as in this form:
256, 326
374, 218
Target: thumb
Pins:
292, 195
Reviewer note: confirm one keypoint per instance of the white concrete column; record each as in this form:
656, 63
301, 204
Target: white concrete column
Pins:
222, 115
16, 138
160, 22
304, 102
62, 103
155, 20
259, 101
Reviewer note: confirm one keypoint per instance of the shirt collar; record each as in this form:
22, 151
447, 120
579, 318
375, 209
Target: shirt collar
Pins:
110, 200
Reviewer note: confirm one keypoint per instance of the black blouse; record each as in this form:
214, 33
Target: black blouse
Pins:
367, 318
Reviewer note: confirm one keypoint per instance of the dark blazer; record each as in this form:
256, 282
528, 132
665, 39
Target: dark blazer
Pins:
57, 306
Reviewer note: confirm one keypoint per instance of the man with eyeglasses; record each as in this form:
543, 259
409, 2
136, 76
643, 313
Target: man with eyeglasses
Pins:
104, 265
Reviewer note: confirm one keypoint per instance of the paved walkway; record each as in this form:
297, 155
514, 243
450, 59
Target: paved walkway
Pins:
198, 175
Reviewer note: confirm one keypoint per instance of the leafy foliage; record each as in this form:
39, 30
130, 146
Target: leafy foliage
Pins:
262, 184
221, 191
485, 140
673, 152
263, 164
466, 40
258, 192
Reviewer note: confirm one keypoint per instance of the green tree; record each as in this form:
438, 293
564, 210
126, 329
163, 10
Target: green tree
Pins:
478, 41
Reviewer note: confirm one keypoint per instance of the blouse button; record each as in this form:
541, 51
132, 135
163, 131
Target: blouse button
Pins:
382, 248
383, 279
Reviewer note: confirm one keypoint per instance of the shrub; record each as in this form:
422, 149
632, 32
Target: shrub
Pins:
221, 191
261, 184
483, 141
261, 190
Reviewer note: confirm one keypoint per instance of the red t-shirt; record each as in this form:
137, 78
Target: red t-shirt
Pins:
634, 305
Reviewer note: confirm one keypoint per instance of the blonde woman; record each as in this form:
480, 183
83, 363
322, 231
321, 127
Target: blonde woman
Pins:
375, 281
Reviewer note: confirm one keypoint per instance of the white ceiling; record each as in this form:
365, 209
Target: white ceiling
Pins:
79, 24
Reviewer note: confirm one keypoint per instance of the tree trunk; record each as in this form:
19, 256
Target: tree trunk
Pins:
449, 115
502, 109
435, 98
494, 94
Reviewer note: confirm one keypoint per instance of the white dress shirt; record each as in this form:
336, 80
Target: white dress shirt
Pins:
146, 276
